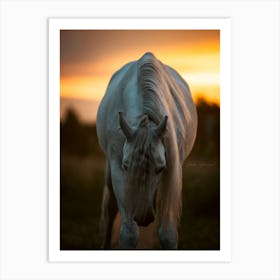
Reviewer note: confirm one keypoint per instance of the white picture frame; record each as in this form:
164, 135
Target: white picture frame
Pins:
222, 24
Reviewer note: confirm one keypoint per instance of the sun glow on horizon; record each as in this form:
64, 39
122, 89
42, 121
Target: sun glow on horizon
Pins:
89, 59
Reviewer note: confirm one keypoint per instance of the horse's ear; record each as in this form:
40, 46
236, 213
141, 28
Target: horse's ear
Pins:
127, 130
161, 128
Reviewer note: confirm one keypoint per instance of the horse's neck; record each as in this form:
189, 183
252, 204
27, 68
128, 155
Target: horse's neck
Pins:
132, 102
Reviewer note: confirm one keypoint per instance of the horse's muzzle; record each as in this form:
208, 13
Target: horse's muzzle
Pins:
145, 221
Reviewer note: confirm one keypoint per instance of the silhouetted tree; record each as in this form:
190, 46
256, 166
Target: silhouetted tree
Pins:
77, 138
207, 145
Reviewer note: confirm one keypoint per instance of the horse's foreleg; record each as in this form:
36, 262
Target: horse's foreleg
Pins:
109, 211
168, 236
129, 229
128, 235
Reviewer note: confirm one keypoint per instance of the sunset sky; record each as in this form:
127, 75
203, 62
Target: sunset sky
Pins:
88, 59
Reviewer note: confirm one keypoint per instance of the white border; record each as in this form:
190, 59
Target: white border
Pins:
224, 254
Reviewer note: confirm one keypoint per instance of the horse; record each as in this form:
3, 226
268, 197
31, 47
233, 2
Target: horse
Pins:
146, 126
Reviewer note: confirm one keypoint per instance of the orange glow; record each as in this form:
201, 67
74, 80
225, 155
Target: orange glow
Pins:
90, 58
82, 87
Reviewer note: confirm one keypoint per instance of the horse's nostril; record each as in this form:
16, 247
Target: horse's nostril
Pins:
159, 170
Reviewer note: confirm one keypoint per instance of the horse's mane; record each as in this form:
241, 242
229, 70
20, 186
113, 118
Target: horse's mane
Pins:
155, 90
151, 85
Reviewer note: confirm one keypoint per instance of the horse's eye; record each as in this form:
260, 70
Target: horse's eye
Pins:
159, 170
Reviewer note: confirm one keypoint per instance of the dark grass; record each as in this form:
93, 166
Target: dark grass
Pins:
82, 183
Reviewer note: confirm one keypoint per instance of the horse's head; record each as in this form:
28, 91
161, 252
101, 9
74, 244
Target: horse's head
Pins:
143, 163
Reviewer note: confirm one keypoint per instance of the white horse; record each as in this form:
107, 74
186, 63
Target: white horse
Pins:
146, 126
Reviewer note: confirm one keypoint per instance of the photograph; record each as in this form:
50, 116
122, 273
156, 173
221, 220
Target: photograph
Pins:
139, 139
